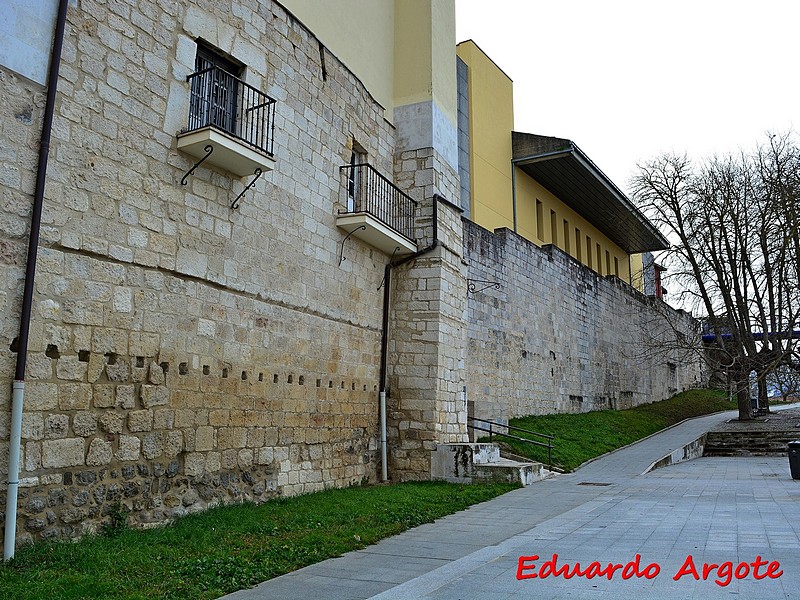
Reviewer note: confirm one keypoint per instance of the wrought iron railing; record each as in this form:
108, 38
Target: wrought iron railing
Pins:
368, 191
220, 100
492, 429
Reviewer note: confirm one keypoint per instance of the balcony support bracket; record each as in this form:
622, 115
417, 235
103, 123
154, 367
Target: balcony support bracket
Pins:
341, 252
209, 149
472, 285
391, 260
235, 203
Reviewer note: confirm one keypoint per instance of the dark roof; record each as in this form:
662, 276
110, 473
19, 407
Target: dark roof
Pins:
563, 168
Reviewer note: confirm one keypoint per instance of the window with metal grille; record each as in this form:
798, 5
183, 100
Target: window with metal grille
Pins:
215, 97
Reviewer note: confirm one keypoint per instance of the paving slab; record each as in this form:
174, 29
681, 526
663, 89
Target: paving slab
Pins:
714, 510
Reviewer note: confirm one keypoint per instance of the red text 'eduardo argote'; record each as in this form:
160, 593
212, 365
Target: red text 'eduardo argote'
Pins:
722, 574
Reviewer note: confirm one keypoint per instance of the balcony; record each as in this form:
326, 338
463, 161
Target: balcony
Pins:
232, 117
377, 211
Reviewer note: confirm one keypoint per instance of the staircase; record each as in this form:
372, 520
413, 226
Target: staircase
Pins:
465, 463
749, 443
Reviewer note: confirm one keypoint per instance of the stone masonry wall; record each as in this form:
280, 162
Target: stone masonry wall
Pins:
557, 337
428, 332
183, 354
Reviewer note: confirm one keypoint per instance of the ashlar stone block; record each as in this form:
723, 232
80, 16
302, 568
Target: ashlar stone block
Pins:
62, 453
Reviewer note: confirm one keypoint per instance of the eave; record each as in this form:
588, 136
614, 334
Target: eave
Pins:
561, 167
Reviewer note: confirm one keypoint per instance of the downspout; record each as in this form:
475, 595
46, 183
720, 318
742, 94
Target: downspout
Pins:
18, 390
387, 298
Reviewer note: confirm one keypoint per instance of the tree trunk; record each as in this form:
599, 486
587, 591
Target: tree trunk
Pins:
763, 397
743, 399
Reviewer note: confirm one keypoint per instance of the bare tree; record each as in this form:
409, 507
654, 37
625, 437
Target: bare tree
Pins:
733, 223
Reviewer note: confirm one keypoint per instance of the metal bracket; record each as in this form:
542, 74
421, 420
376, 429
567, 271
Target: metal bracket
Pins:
341, 252
383, 281
235, 203
472, 285
209, 149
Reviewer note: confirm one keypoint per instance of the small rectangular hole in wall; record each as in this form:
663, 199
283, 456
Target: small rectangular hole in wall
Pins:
330, 384
275, 378
319, 381
52, 351
183, 368
354, 386
164, 367
342, 386
261, 377
111, 358
365, 387
140, 362
244, 375
301, 380
290, 379
206, 370
225, 373
83, 355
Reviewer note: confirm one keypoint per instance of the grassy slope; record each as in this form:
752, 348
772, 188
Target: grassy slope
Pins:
222, 550
580, 437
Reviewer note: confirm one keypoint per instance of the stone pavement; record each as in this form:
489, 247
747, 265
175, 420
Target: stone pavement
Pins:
712, 509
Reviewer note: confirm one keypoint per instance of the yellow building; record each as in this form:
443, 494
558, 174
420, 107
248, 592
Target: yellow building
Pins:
543, 188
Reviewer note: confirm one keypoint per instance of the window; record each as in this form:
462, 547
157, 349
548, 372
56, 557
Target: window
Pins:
540, 221
566, 236
599, 260
578, 243
215, 92
608, 263
588, 252
553, 228
358, 156
616, 266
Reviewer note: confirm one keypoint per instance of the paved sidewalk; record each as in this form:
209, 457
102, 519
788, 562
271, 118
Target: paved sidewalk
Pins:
714, 509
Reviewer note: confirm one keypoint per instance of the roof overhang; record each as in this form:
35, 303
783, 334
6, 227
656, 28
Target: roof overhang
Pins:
563, 168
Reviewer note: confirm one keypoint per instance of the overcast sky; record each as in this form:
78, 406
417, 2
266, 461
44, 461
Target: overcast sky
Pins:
627, 80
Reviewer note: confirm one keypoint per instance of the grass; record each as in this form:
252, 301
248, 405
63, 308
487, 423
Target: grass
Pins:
580, 437
222, 550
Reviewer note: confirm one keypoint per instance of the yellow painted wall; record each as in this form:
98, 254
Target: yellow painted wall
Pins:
528, 192
425, 60
491, 122
491, 119
360, 34
637, 272
402, 50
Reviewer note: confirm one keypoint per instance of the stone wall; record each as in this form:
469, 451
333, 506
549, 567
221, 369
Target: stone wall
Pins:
181, 353
554, 336
427, 341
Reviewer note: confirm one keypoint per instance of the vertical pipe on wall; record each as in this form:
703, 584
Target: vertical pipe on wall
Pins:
18, 391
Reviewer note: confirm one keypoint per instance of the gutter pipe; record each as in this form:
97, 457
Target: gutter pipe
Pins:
387, 298
18, 388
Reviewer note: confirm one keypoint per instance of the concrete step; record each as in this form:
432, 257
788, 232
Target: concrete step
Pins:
749, 443
465, 463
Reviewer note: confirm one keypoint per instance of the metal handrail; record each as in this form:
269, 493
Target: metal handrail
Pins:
491, 432
368, 191
223, 101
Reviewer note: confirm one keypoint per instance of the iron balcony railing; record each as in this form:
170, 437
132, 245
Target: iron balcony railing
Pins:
220, 100
370, 192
